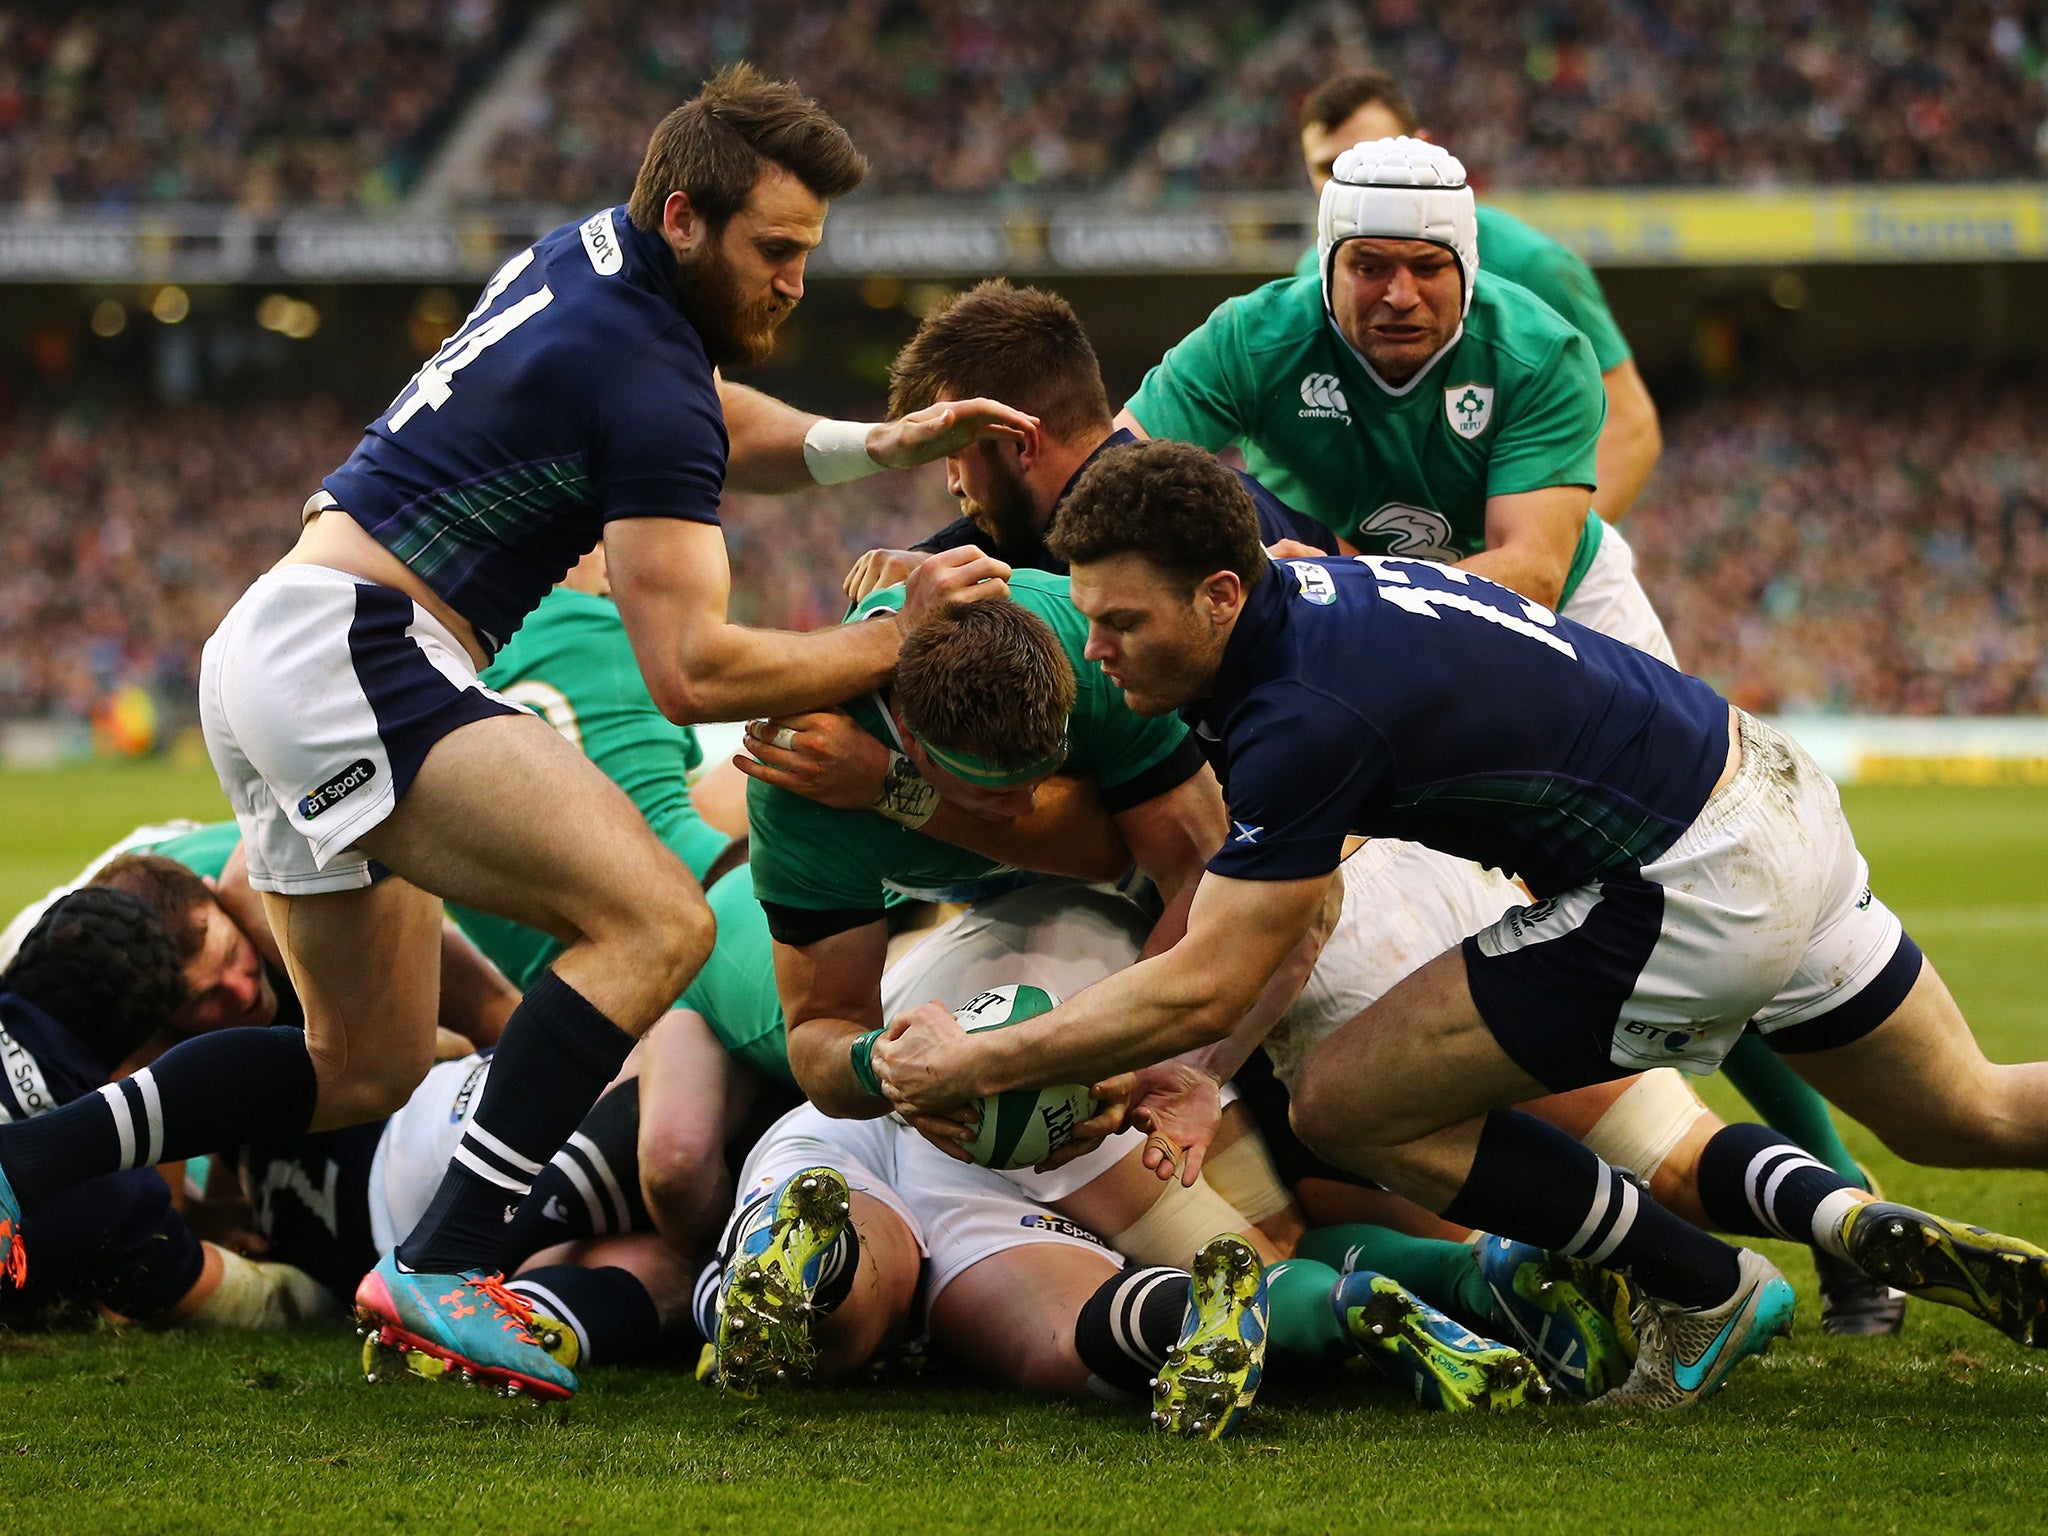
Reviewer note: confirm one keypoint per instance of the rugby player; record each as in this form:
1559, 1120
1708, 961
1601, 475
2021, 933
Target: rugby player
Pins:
1694, 876
1365, 104
1411, 401
1031, 345
340, 702
92, 980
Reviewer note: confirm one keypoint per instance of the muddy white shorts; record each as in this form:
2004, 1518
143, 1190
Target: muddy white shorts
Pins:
1404, 905
1759, 916
960, 1214
1611, 599
320, 695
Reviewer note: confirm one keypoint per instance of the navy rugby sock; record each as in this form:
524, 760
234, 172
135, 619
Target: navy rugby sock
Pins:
213, 1092
557, 1053
1532, 1182
590, 1188
1788, 1103
610, 1312
1124, 1330
1755, 1182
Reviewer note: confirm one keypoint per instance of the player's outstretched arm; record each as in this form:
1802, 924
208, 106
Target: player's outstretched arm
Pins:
1239, 933
831, 992
776, 448
672, 584
1630, 443
1531, 538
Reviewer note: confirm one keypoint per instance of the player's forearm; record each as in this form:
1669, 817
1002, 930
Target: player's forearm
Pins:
1148, 1013
1536, 573
766, 456
1630, 443
1066, 833
734, 673
821, 1061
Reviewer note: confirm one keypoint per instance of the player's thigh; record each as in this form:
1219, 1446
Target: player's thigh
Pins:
1923, 1084
507, 817
366, 965
1011, 1316
1419, 1059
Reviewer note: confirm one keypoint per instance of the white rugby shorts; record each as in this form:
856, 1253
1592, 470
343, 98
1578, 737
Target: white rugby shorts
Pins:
1760, 913
960, 1214
1610, 599
1404, 905
418, 1144
320, 696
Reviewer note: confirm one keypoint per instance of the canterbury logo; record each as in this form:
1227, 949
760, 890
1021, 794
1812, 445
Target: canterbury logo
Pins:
1322, 396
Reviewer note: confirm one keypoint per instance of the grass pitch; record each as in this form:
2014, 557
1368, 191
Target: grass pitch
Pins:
1943, 1429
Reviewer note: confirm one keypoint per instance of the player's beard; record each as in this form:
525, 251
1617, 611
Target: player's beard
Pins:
1008, 516
735, 331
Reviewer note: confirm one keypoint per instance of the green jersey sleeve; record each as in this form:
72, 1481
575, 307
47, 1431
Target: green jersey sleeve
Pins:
811, 856
1552, 428
1557, 275
1194, 393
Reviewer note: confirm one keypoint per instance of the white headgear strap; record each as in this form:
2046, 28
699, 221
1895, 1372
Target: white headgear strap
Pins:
1399, 189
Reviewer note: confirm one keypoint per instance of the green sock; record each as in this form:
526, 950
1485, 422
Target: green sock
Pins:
1442, 1273
1302, 1322
1789, 1104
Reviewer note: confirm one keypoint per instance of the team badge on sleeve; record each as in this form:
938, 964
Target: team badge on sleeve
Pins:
1469, 407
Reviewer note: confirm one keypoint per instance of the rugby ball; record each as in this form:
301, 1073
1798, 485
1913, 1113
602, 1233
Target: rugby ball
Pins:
1025, 1126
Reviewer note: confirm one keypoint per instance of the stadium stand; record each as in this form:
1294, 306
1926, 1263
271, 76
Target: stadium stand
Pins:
1872, 546
234, 101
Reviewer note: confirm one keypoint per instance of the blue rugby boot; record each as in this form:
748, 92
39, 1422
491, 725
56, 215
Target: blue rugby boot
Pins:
1446, 1365
1212, 1374
1685, 1353
777, 1265
2003, 1280
465, 1327
13, 1257
1572, 1318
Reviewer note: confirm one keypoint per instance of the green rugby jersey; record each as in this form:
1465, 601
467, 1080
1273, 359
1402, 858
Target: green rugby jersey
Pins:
571, 664
1555, 273
204, 850
1516, 404
822, 871
736, 989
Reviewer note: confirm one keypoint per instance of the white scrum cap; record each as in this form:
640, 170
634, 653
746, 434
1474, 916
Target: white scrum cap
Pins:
1399, 189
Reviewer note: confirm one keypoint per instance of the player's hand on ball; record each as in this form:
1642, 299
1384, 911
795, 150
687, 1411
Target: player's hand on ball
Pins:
880, 568
1178, 1106
953, 576
1112, 1107
924, 1062
950, 1130
822, 756
940, 430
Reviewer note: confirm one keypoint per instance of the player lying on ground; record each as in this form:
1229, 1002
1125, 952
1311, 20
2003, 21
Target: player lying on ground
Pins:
91, 983
1694, 874
341, 708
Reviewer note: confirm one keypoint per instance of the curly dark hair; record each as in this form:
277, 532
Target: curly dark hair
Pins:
1173, 503
103, 965
1023, 346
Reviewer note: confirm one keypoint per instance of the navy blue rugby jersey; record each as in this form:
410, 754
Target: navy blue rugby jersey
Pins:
576, 392
1277, 521
42, 1064
1401, 698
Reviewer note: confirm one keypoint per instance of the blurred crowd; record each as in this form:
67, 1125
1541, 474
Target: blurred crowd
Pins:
255, 102
266, 102
1630, 92
944, 96
1872, 546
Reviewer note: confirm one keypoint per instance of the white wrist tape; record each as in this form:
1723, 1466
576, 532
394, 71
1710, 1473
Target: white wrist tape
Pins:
837, 451
260, 1294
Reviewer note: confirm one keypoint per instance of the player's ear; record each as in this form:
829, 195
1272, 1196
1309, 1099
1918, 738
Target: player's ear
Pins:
682, 226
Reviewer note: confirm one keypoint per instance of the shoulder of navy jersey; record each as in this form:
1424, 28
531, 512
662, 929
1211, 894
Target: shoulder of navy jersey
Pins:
42, 1064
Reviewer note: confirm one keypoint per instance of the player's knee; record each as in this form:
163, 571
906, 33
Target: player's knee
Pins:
679, 934
365, 1087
